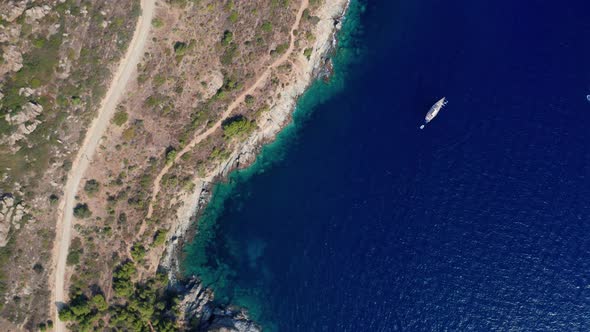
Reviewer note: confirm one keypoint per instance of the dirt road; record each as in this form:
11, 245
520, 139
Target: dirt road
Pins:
197, 139
127, 67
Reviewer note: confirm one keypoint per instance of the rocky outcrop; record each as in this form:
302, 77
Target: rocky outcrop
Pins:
25, 121
13, 59
9, 33
37, 13
198, 310
199, 313
11, 10
11, 214
214, 82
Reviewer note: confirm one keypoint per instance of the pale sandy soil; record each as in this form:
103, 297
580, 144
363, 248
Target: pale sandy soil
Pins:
125, 71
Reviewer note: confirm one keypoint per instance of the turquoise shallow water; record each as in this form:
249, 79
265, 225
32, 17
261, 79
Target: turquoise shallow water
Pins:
356, 220
231, 269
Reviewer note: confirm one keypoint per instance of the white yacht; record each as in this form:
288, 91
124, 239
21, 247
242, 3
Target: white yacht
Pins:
433, 112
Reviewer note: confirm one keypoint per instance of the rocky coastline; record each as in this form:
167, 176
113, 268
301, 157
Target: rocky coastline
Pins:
198, 309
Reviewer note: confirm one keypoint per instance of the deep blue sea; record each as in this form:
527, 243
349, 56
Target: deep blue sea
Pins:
356, 220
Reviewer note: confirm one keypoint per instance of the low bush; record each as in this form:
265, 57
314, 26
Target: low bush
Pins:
81, 211
237, 126
120, 118
91, 187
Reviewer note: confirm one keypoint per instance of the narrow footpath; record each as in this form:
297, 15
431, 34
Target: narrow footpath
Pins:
240, 99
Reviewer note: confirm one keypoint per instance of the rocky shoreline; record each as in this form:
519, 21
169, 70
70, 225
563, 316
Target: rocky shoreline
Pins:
197, 306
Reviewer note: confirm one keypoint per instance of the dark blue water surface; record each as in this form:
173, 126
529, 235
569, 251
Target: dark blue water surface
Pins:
355, 220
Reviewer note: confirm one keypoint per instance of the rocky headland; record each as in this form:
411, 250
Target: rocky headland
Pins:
198, 303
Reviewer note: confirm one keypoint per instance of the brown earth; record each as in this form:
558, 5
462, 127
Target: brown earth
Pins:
216, 79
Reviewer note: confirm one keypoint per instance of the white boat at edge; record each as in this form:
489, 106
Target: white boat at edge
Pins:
433, 111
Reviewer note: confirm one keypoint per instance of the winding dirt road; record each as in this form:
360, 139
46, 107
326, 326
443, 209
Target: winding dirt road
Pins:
199, 138
127, 67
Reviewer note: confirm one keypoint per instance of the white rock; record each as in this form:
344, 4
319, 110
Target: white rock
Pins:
8, 201
27, 129
13, 59
14, 10
28, 113
27, 92
37, 13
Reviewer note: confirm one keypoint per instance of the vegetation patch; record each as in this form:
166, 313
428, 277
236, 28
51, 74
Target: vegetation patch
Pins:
266, 26
141, 306
307, 53
170, 155
91, 187
81, 211
75, 253
280, 49
120, 117
157, 23
137, 252
237, 126
159, 238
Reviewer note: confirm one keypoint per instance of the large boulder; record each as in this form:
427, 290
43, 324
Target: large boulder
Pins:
37, 13
6, 211
13, 59
25, 122
13, 9
198, 311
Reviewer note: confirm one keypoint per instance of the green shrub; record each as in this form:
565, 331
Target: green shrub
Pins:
282, 3
237, 126
170, 155
122, 284
227, 38
53, 199
266, 26
99, 302
233, 17
159, 238
81, 211
120, 118
66, 315
75, 252
229, 54
219, 154
180, 49
157, 23
137, 252
159, 80
249, 100
280, 49
91, 187
307, 52
73, 257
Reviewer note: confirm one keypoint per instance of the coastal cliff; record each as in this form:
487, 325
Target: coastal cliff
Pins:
199, 309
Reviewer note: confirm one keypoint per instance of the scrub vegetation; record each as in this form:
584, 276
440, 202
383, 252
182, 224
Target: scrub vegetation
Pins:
56, 58
194, 80
135, 306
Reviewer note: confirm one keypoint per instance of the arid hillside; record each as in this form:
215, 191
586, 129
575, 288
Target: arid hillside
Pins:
56, 58
215, 80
